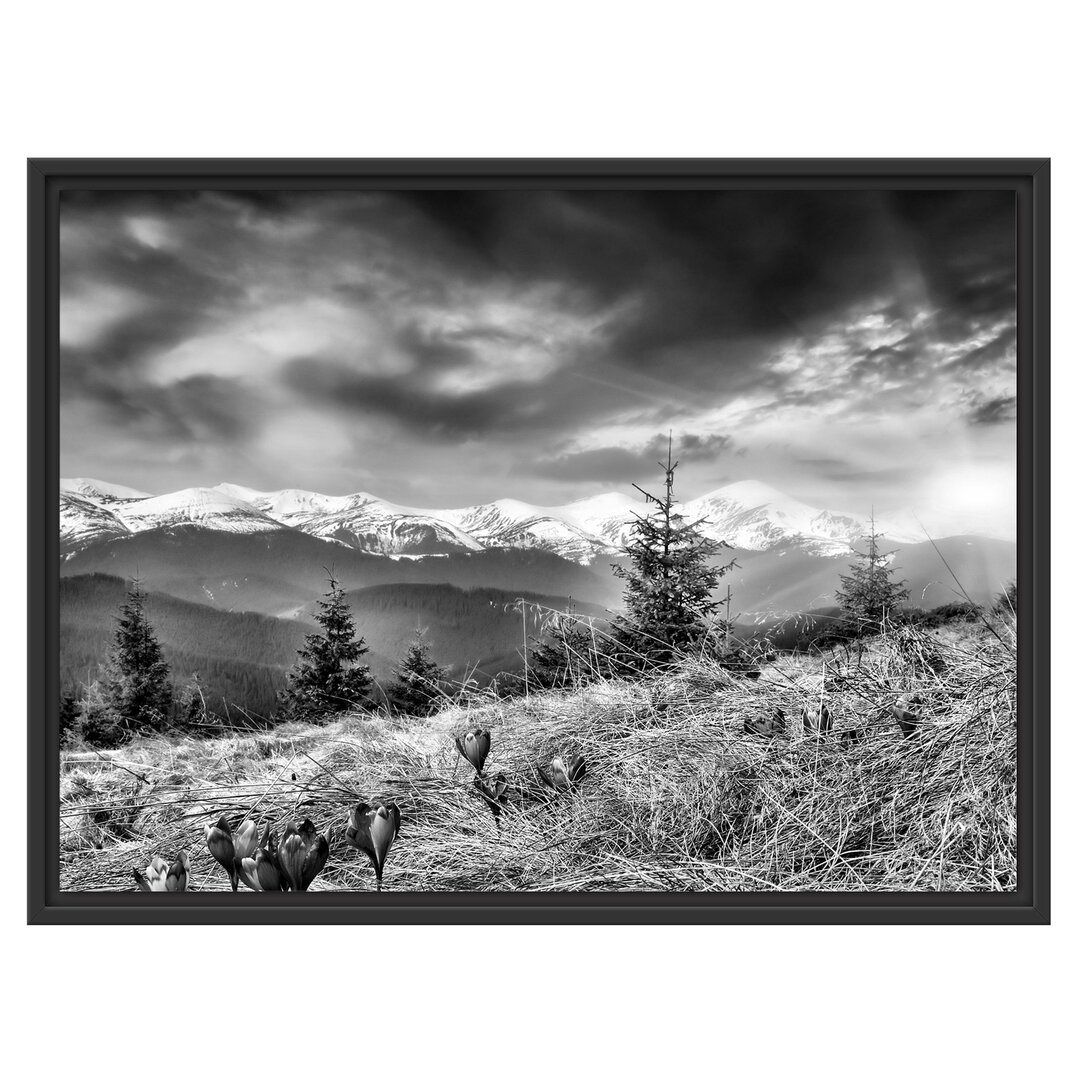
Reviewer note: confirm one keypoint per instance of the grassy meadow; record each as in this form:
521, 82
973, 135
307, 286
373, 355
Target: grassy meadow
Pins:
676, 796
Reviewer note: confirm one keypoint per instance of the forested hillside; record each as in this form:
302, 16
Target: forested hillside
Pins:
276, 573
240, 657
465, 628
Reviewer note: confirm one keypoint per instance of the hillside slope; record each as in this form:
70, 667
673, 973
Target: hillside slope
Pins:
676, 796
276, 572
466, 629
241, 658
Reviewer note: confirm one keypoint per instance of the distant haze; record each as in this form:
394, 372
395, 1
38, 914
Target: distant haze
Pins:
852, 349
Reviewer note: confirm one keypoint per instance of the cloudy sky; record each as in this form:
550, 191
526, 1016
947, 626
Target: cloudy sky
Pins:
443, 349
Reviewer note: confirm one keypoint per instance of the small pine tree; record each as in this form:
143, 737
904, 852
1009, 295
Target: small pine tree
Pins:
868, 596
135, 684
96, 724
417, 686
69, 715
192, 705
328, 678
566, 655
669, 584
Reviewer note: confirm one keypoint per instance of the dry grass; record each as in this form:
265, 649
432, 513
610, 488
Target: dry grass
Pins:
677, 797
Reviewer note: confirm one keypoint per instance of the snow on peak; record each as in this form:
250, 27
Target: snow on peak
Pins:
207, 507
99, 489
287, 502
748, 514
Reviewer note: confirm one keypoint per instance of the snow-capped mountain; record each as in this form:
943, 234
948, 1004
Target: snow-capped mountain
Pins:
750, 516
756, 517
361, 521
204, 507
86, 519
99, 491
84, 522
511, 523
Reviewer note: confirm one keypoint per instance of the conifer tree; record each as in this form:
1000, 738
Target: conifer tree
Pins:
328, 677
869, 596
566, 654
417, 686
69, 715
192, 703
669, 584
136, 690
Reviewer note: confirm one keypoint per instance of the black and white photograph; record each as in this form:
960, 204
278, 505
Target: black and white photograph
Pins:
537, 540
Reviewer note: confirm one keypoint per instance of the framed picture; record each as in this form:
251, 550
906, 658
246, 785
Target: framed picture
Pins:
539, 541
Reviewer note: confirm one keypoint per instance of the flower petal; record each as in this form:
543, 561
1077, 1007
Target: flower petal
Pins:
382, 836
219, 842
577, 769
314, 861
559, 779
358, 834
178, 874
268, 873
156, 873
248, 874
291, 853
246, 840
483, 747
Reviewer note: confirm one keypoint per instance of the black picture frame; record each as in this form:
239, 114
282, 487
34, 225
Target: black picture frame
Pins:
1029, 179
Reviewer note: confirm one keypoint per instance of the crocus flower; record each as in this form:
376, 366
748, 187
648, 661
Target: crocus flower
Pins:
563, 777
302, 853
908, 712
178, 874
474, 748
152, 879
229, 847
261, 872
159, 876
372, 829
494, 794
768, 724
816, 717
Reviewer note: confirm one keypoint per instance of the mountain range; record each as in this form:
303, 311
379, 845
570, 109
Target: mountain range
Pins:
748, 515
234, 573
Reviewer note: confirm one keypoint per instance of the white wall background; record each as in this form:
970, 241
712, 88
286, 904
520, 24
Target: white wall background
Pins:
555, 79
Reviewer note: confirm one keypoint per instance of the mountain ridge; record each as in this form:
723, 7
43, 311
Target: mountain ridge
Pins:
748, 515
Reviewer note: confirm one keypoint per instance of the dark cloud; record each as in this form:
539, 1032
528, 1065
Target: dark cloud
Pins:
560, 330
996, 411
992, 353
200, 408
617, 464
419, 408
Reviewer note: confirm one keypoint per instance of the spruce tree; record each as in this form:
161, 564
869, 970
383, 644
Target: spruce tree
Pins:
869, 596
669, 584
417, 686
69, 715
566, 655
135, 685
192, 703
328, 677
